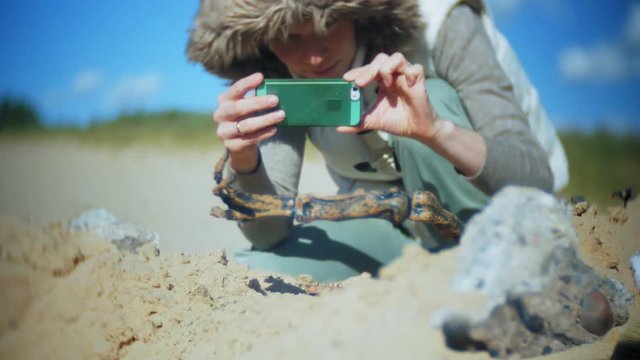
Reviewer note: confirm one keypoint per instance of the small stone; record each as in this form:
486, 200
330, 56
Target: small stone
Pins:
456, 334
223, 258
580, 208
595, 313
156, 321
124, 235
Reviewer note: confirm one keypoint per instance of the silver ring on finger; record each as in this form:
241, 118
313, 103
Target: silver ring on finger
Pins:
238, 130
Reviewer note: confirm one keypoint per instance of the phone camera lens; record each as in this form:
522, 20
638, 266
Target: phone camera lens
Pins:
355, 93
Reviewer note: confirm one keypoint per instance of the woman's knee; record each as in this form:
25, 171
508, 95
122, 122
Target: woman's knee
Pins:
415, 158
447, 102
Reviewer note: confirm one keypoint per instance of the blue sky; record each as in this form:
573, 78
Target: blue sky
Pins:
82, 61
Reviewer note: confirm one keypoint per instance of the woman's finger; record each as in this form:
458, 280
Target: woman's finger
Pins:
351, 129
414, 72
369, 73
395, 65
241, 142
241, 87
238, 129
234, 109
353, 73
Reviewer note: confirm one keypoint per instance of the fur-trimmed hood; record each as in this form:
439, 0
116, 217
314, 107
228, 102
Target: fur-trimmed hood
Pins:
230, 37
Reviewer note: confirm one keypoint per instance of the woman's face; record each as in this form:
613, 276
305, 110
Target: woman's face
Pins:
309, 55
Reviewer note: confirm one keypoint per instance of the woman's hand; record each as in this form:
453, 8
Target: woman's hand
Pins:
402, 107
239, 127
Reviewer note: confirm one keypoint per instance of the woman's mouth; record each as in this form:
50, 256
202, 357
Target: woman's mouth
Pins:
325, 72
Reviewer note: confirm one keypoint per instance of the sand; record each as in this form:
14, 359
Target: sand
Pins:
72, 295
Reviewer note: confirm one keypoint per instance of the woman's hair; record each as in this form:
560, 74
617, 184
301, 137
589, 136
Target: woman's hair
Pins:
231, 37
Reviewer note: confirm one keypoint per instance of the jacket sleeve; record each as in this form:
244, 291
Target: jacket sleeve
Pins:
278, 173
464, 57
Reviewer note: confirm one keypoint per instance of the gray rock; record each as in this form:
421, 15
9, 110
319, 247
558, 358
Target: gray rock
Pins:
503, 249
635, 268
124, 235
520, 253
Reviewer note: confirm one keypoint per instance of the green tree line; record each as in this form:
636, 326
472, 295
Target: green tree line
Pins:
17, 114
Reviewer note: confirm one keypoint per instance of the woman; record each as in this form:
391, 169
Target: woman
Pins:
462, 142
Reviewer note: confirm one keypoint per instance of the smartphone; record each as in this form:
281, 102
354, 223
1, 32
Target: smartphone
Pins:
315, 102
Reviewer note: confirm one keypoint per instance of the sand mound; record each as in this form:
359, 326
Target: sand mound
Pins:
72, 295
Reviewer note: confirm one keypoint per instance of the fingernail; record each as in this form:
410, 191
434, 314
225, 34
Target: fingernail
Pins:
279, 114
272, 100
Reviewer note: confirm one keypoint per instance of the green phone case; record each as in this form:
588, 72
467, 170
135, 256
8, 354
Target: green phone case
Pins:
315, 102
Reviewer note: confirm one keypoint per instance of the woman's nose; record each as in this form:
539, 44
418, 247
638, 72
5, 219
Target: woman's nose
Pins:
315, 60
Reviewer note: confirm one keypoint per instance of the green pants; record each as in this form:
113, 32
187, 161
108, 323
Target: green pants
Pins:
333, 251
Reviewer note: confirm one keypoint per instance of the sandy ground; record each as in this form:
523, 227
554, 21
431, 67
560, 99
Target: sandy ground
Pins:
73, 296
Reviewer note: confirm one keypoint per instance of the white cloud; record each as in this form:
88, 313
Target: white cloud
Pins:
94, 94
86, 81
603, 62
632, 27
135, 91
614, 60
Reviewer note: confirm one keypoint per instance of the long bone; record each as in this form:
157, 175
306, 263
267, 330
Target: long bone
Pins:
393, 205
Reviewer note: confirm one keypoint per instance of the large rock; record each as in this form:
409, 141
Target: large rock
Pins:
124, 235
635, 268
520, 253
